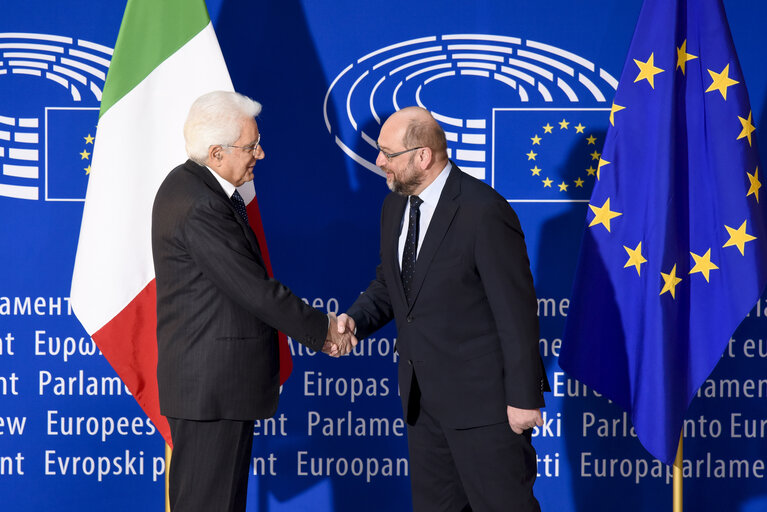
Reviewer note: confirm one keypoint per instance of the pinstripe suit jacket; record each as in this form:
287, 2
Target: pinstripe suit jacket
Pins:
217, 309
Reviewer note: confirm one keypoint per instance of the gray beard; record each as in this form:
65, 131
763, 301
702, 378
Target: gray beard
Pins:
406, 187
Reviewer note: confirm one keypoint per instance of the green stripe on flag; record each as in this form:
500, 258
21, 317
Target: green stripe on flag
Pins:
151, 31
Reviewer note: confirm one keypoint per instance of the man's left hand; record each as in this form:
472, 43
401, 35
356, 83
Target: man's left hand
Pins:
523, 419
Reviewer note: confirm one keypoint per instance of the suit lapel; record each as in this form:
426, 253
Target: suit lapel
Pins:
249, 234
204, 174
440, 222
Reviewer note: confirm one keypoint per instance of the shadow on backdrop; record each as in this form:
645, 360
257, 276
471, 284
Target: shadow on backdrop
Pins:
321, 217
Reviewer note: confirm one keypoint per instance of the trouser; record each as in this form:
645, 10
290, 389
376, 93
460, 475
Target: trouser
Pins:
209, 465
481, 469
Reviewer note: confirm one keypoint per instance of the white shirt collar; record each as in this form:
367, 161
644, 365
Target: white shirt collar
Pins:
228, 187
430, 195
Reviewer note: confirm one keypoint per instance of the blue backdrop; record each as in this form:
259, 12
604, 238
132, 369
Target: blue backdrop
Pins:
521, 89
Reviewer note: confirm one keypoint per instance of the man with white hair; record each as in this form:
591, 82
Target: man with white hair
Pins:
218, 311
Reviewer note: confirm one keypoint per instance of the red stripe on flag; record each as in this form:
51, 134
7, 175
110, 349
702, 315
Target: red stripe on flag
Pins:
129, 343
254, 219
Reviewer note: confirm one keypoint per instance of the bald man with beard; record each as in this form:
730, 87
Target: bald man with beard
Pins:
455, 276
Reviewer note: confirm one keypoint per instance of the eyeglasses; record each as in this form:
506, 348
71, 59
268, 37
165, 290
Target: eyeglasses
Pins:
389, 156
250, 148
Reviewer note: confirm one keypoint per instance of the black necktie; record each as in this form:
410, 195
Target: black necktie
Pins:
411, 246
239, 205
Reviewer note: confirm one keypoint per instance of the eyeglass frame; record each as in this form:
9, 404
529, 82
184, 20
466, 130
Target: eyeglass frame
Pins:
250, 148
389, 156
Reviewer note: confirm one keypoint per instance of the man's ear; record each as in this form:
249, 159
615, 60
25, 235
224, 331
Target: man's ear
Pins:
215, 155
425, 157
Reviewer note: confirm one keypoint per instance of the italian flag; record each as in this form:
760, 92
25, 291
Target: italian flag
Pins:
166, 56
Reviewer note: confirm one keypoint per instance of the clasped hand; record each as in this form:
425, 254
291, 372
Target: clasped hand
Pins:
340, 340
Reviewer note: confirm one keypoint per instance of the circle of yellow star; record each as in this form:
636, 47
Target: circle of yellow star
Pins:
647, 70
682, 56
669, 282
591, 139
578, 182
564, 124
84, 155
595, 155
536, 140
635, 258
579, 128
547, 128
536, 171
547, 182
755, 184
738, 237
703, 264
721, 81
531, 155
87, 170
591, 171
603, 214
748, 128
88, 139
563, 187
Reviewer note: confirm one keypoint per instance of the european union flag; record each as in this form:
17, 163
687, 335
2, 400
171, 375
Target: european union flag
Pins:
674, 254
553, 155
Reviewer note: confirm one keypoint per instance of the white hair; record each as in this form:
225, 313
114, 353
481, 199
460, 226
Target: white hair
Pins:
216, 118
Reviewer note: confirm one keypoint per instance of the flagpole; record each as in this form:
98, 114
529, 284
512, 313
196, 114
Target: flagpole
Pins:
677, 496
168, 453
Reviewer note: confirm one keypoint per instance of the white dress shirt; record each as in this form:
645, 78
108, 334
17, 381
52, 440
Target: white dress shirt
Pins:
430, 197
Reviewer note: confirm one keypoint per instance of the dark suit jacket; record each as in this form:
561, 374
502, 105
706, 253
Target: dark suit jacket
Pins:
217, 309
470, 333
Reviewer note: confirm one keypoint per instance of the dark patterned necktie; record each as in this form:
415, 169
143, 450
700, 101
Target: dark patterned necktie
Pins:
411, 245
239, 205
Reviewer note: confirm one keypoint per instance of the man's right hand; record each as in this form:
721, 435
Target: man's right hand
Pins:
347, 324
340, 340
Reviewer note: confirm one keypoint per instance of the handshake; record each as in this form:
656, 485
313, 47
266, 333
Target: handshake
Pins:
340, 340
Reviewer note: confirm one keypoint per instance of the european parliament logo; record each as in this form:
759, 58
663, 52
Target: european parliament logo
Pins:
47, 128
527, 117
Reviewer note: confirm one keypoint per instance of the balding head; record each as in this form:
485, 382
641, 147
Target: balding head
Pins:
420, 129
413, 150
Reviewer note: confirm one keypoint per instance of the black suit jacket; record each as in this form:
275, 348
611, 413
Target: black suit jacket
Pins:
217, 309
470, 333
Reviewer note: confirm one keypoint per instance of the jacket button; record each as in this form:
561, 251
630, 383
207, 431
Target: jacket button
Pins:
409, 318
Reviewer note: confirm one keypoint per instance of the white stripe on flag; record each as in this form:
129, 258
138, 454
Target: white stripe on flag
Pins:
139, 140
